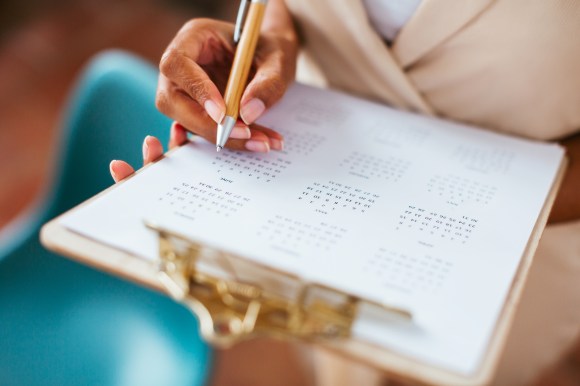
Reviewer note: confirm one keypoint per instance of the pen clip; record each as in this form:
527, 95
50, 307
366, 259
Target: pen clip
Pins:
242, 12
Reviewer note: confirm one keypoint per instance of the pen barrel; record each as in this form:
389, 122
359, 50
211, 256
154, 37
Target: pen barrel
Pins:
243, 58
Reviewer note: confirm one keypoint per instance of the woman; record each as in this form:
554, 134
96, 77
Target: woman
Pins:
507, 65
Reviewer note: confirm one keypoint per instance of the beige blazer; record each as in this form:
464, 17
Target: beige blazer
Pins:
507, 65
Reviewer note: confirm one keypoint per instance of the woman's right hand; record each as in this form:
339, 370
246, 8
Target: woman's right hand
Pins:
194, 72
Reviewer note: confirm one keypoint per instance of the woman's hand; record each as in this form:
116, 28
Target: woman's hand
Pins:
195, 68
152, 150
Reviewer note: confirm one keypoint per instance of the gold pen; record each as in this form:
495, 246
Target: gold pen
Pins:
250, 15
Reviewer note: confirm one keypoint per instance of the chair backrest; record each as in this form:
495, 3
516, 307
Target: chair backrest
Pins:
62, 322
108, 116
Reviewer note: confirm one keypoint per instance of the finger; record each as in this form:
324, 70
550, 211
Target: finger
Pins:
258, 143
187, 112
175, 103
177, 135
241, 131
275, 71
179, 63
152, 149
275, 139
120, 170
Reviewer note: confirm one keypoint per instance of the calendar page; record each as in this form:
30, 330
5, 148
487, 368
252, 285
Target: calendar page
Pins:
403, 209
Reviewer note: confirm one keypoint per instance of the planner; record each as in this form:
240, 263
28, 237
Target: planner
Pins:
409, 211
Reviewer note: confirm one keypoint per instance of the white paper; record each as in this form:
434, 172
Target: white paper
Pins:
399, 208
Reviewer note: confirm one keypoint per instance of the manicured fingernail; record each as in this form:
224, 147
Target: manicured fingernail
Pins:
252, 110
276, 144
145, 148
213, 110
257, 146
112, 170
240, 132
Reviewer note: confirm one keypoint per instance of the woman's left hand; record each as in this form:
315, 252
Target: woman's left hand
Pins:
152, 150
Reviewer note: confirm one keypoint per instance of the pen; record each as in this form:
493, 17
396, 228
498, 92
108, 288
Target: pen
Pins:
250, 14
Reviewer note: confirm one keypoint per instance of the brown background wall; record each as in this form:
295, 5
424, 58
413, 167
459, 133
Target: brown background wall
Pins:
43, 44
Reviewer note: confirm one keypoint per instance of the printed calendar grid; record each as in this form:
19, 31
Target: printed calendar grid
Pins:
457, 191
260, 168
291, 235
407, 272
484, 160
188, 200
331, 196
431, 225
301, 142
372, 167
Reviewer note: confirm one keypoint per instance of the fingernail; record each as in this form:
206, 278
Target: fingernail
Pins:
145, 148
276, 144
172, 133
257, 146
213, 110
252, 110
112, 171
240, 132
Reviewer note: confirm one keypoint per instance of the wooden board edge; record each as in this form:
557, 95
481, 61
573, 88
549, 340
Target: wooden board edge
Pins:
58, 239
514, 296
62, 241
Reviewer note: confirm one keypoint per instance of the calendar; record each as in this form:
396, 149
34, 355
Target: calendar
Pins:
397, 137
389, 206
330, 196
386, 168
484, 159
407, 272
302, 142
461, 191
235, 164
435, 226
190, 199
315, 113
293, 236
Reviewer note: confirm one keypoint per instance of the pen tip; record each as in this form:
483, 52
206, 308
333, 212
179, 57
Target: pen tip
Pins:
218, 148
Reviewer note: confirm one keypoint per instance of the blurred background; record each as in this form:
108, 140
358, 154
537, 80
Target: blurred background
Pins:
44, 44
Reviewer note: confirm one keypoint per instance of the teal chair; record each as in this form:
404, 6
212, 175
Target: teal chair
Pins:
62, 323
